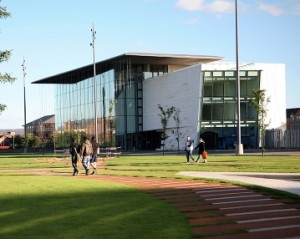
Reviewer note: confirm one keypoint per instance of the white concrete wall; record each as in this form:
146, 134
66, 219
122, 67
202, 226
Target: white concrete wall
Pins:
179, 89
273, 81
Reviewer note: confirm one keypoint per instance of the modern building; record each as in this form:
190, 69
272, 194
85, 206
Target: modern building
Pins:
130, 87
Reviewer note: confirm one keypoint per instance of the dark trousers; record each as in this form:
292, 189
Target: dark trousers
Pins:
188, 156
74, 164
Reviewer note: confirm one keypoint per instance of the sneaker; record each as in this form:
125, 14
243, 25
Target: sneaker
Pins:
187, 162
205, 161
93, 173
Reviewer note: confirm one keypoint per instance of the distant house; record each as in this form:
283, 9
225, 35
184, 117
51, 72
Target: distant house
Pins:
293, 118
42, 127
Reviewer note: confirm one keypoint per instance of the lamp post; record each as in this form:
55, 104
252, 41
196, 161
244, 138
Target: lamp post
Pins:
94, 85
239, 146
25, 130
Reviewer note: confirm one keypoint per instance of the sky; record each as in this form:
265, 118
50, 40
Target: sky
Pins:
54, 36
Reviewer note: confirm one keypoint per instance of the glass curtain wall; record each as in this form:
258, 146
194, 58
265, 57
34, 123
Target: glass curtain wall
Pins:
219, 110
129, 77
119, 105
75, 112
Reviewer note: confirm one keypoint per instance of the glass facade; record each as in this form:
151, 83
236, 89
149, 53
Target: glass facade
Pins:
119, 103
219, 109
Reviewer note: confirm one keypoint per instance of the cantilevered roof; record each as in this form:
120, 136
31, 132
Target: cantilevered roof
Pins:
82, 73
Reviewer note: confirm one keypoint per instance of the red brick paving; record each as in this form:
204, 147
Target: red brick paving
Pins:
222, 211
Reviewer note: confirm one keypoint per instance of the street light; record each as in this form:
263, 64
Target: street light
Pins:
239, 146
94, 85
25, 131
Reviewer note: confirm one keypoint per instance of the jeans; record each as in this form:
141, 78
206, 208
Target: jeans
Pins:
94, 161
86, 162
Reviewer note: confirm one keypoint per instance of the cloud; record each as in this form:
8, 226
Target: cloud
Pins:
288, 7
271, 9
221, 6
190, 5
216, 6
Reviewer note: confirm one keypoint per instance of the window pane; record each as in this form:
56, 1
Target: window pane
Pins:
229, 111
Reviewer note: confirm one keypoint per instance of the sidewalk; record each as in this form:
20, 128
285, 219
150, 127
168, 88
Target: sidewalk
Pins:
289, 182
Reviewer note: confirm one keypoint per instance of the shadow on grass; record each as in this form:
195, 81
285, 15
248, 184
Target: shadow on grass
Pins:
55, 207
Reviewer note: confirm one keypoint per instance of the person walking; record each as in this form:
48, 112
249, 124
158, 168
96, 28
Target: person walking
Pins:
94, 155
86, 151
201, 149
73, 150
189, 149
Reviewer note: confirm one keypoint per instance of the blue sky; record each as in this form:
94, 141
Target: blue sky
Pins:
54, 36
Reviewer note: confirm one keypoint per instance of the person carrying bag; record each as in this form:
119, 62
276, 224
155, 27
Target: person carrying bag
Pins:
201, 151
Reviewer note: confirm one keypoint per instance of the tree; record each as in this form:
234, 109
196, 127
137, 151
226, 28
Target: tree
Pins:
33, 141
4, 56
165, 115
177, 120
111, 120
260, 102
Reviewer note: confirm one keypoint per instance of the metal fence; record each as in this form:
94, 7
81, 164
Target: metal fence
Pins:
278, 139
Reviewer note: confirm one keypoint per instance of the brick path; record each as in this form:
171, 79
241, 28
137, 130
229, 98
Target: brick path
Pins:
219, 211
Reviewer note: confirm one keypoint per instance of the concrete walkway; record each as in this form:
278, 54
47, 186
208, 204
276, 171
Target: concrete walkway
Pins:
289, 182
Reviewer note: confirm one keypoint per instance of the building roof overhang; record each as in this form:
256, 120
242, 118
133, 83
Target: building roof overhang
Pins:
82, 73
44, 119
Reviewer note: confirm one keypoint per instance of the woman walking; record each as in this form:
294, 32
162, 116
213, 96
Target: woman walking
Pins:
201, 149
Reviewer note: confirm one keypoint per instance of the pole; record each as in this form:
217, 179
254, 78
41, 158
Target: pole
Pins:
94, 85
24, 91
239, 146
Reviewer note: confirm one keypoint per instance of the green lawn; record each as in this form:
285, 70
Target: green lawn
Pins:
69, 207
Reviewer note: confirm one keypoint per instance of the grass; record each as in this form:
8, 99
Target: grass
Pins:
69, 207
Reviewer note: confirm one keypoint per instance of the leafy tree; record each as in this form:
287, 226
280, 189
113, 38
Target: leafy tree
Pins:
260, 102
165, 115
111, 120
177, 120
33, 141
4, 56
18, 141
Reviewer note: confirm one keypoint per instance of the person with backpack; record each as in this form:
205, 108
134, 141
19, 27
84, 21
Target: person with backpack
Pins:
74, 150
86, 152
